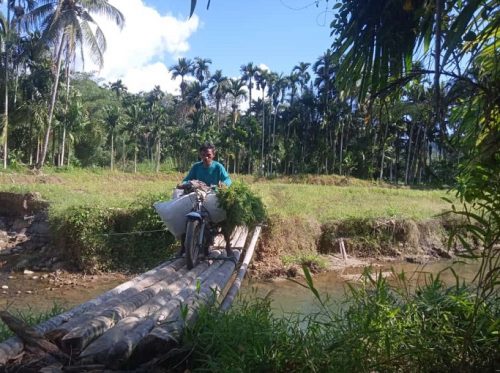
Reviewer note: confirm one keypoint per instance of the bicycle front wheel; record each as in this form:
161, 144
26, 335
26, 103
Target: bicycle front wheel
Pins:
191, 244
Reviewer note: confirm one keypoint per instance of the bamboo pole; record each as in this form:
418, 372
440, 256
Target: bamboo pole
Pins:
169, 273
117, 344
79, 337
163, 336
13, 346
233, 291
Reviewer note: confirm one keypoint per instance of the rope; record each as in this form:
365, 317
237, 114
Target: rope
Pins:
134, 232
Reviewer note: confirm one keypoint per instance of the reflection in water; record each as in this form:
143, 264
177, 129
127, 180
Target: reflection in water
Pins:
289, 297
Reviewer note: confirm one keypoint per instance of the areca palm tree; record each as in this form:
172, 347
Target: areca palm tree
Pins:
262, 79
183, 68
249, 73
236, 91
201, 68
302, 74
218, 90
68, 25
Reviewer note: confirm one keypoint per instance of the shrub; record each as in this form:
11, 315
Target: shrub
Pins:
101, 238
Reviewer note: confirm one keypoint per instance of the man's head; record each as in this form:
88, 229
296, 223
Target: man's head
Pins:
207, 153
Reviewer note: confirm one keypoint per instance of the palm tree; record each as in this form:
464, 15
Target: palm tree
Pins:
218, 90
249, 72
68, 25
262, 78
302, 74
119, 88
4, 35
200, 68
112, 119
236, 91
183, 68
134, 126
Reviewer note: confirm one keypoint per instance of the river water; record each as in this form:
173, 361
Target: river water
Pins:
40, 291
289, 297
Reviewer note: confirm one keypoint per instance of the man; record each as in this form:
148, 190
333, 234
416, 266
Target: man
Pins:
207, 170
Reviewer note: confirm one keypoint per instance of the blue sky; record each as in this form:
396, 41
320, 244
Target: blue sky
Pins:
276, 33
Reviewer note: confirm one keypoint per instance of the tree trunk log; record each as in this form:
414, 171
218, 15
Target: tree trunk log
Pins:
233, 291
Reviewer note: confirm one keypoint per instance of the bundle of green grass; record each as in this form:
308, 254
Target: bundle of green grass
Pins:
242, 206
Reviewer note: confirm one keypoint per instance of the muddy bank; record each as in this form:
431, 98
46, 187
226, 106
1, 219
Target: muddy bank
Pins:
25, 236
287, 244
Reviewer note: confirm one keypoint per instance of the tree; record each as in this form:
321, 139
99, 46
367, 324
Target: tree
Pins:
201, 68
68, 24
302, 74
218, 89
262, 79
249, 73
236, 91
184, 67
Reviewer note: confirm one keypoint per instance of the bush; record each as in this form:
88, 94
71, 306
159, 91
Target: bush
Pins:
380, 328
101, 238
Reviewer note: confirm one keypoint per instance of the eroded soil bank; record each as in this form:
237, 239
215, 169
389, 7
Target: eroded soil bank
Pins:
285, 245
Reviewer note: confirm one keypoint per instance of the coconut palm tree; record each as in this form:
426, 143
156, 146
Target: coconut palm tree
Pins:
68, 25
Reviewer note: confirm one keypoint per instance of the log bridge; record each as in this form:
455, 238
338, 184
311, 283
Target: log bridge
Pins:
136, 322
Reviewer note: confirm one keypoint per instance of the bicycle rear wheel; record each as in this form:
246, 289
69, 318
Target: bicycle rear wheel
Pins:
191, 244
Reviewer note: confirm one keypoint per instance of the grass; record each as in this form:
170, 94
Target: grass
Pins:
380, 328
30, 317
358, 199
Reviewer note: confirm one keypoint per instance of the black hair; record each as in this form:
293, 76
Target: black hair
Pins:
206, 146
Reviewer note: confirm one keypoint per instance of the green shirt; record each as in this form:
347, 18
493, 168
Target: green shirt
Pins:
210, 175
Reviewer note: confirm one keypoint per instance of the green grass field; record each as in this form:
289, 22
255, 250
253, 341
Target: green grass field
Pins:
285, 197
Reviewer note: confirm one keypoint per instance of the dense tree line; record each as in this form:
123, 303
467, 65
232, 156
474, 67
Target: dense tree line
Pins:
364, 108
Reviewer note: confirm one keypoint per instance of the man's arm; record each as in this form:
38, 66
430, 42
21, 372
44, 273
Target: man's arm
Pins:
224, 176
190, 176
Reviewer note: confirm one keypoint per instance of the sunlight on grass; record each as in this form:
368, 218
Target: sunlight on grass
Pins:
324, 202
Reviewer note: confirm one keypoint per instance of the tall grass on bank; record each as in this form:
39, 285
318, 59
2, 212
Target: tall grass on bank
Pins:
380, 328
30, 317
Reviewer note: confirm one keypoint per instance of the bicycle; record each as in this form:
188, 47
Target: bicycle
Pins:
201, 223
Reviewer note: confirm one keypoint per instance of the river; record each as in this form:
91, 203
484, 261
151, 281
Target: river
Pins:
40, 291
289, 297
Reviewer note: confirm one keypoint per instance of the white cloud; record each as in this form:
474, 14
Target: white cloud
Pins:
137, 53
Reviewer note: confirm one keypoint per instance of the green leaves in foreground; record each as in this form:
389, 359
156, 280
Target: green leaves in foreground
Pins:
379, 328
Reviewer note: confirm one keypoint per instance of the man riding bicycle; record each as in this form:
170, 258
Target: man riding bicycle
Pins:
207, 170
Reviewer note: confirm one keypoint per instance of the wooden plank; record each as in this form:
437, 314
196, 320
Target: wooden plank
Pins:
12, 347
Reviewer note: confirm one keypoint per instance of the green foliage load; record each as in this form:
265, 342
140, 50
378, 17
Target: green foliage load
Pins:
242, 206
101, 238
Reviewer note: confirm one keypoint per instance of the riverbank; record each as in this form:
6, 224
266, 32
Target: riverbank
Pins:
91, 215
